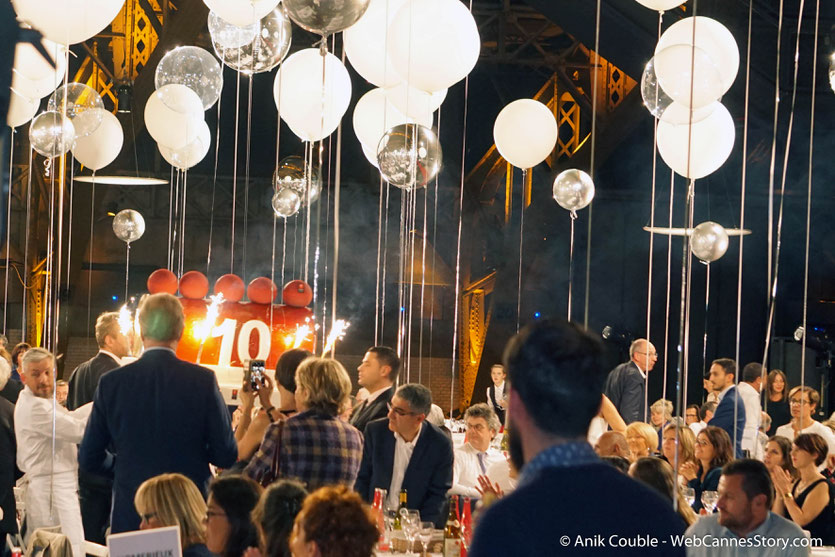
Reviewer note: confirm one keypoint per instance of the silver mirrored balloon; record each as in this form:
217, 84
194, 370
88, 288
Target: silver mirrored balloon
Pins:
709, 241
293, 173
266, 51
325, 18
226, 35
193, 67
128, 225
286, 202
409, 155
77, 101
573, 189
662, 106
51, 134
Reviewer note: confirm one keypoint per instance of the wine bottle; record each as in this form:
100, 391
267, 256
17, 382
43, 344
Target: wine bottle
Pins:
403, 499
452, 530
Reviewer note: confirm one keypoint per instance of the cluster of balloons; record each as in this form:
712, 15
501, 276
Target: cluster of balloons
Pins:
188, 81
128, 225
696, 61
709, 241
249, 36
295, 184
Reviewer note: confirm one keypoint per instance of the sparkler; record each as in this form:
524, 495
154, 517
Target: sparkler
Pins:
203, 329
337, 333
125, 320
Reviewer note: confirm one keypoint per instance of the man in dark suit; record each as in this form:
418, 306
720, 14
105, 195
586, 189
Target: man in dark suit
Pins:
377, 373
731, 408
625, 384
159, 413
9, 387
95, 491
405, 452
8, 469
567, 498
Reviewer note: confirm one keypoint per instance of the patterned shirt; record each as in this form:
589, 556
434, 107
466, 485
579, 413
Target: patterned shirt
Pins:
315, 449
575, 453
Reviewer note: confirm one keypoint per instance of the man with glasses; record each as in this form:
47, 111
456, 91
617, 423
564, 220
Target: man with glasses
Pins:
626, 383
405, 452
803, 403
476, 456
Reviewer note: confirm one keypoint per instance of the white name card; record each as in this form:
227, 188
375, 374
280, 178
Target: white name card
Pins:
156, 542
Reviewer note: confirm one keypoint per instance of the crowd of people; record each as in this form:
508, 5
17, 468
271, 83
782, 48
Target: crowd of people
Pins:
151, 443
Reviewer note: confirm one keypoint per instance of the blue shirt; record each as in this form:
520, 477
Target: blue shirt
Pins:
575, 453
773, 538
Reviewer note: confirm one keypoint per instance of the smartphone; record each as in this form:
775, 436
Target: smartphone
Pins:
256, 373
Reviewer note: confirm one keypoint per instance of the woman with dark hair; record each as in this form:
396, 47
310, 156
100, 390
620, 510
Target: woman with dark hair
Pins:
658, 474
285, 378
17, 353
274, 515
713, 451
778, 455
334, 522
229, 528
808, 499
777, 401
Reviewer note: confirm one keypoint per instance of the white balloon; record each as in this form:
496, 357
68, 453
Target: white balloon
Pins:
661, 5
173, 115
688, 75
241, 12
437, 43
525, 133
42, 86
102, 146
374, 115
192, 153
367, 40
371, 154
710, 36
21, 109
29, 63
414, 102
298, 93
68, 21
709, 144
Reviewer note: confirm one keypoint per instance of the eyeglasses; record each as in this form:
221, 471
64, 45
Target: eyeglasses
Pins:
703, 443
400, 411
210, 514
147, 517
798, 401
651, 354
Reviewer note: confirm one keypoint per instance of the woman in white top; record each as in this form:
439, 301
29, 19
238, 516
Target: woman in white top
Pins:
803, 402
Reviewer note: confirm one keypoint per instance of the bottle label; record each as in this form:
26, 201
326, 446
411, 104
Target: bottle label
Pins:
452, 547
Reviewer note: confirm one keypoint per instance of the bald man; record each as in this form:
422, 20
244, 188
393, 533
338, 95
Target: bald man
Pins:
625, 384
613, 443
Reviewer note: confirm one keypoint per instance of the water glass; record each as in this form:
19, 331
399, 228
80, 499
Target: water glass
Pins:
709, 500
689, 495
427, 529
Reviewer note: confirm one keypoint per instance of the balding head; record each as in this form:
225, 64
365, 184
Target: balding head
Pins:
612, 443
643, 353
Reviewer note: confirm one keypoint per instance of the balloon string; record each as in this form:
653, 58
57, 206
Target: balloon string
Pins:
385, 263
26, 280
246, 173
412, 228
593, 148
669, 283
521, 251
434, 251
69, 221
336, 207
175, 222
90, 252
170, 216
127, 269
183, 223
8, 230
707, 307
235, 164
379, 255
573, 217
400, 263
422, 284
773, 162
681, 361
214, 188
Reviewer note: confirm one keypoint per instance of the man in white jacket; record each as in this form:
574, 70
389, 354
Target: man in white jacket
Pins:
51, 467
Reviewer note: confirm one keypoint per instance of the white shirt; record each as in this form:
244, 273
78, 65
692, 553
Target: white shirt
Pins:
499, 473
33, 428
402, 455
753, 414
116, 358
466, 469
373, 396
787, 431
499, 394
696, 427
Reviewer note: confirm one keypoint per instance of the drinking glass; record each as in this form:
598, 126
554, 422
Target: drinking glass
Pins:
410, 524
689, 495
425, 535
709, 499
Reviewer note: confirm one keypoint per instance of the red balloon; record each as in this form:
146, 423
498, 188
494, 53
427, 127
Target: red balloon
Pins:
231, 286
162, 280
297, 293
194, 285
261, 290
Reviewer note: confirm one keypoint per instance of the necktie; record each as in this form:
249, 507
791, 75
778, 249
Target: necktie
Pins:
481, 463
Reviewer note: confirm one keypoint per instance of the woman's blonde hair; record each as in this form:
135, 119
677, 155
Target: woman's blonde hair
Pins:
686, 443
646, 431
175, 501
327, 384
663, 406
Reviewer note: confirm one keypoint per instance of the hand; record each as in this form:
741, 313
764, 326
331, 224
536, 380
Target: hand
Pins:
265, 390
688, 471
486, 486
782, 480
247, 397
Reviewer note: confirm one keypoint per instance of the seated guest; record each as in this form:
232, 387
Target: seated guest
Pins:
619, 462
174, 500
17, 353
713, 451
274, 515
229, 527
9, 388
730, 411
377, 373
778, 455
642, 439
777, 400
556, 371
314, 446
678, 446
334, 522
613, 443
808, 499
745, 498
660, 414
474, 457
659, 475
417, 458
706, 411
62, 389
803, 402
691, 414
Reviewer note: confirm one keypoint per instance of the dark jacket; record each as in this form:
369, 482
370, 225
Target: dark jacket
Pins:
12, 390
378, 408
85, 378
724, 417
625, 388
8, 468
428, 476
160, 414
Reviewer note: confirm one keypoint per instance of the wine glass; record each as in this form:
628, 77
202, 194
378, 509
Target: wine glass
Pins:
709, 499
410, 524
427, 529
689, 495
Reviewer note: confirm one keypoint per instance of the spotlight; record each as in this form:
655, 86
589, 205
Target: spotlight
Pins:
614, 334
798, 333
124, 93
817, 338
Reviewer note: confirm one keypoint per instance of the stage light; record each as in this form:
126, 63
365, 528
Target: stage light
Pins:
124, 94
537, 315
